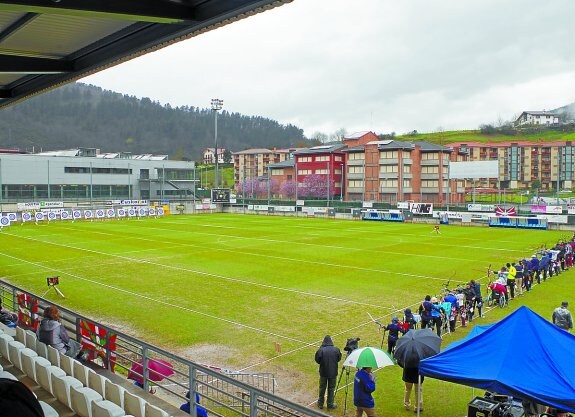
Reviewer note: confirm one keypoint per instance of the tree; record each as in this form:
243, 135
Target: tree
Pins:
228, 158
319, 138
338, 135
316, 186
287, 189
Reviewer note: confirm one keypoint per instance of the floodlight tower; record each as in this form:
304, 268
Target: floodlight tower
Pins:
217, 105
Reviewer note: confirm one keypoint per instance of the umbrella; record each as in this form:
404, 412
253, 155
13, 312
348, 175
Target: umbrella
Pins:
368, 357
416, 345
158, 369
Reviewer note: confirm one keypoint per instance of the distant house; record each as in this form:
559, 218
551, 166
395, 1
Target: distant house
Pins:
209, 156
537, 118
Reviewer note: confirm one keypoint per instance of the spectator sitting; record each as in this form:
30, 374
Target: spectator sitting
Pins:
186, 407
7, 317
51, 332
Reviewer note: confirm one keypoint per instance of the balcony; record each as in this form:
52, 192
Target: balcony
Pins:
388, 175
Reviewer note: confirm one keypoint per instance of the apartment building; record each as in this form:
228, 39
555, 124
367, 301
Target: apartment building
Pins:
522, 162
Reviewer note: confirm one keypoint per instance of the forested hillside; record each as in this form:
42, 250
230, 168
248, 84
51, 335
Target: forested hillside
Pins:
79, 115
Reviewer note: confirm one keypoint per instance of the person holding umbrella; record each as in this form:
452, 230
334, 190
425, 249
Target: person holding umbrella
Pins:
411, 378
363, 387
328, 357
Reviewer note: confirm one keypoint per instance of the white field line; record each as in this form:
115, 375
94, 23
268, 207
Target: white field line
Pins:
155, 300
176, 268
434, 243
383, 231
301, 261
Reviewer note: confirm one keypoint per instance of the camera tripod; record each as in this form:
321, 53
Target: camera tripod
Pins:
347, 371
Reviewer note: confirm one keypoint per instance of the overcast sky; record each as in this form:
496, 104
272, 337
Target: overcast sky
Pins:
380, 65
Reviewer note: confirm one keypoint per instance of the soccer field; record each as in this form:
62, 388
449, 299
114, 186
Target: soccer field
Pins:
224, 289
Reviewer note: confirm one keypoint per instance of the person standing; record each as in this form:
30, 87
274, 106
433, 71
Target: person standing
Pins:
511, 272
519, 277
562, 317
394, 329
411, 378
363, 386
328, 357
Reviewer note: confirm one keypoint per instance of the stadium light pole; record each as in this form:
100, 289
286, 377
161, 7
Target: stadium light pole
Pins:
217, 105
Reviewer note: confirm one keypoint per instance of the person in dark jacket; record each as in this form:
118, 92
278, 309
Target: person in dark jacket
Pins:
328, 357
363, 386
411, 378
16, 399
394, 329
187, 407
409, 320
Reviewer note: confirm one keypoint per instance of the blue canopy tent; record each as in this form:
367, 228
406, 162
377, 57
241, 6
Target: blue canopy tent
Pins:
523, 355
476, 331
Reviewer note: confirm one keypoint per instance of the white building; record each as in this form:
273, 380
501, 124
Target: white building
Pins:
537, 118
86, 174
209, 154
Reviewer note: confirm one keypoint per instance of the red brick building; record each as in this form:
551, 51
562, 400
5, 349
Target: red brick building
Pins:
319, 171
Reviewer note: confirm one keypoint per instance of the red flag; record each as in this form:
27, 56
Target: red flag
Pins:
27, 311
96, 345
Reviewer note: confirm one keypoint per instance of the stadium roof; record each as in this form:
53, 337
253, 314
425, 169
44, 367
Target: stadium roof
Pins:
47, 43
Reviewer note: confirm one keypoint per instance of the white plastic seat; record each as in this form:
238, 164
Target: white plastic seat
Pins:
53, 356
30, 340
42, 349
67, 364
97, 382
114, 393
10, 331
81, 399
14, 348
134, 405
80, 372
61, 388
7, 375
20, 335
44, 375
153, 411
48, 410
29, 362
4, 340
107, 409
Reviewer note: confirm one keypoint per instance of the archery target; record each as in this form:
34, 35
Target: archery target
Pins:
152, 211
88, 214
110, 213
39, 216
77, 214
65, 215
121, 212
100, 213
161, 211
4, 221
12, 217
131, 212
142, 212
51, 216
26, 217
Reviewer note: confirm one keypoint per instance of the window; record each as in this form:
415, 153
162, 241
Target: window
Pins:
388, 155
355, 183
429, 169
355, 169
337, 171
407, 169
388, 184
322, 158
407, 183
337, 184
304, 159
356, 156
277, 172
388, 169
321, 171
429, 156
304, 172
429, 183
338, 158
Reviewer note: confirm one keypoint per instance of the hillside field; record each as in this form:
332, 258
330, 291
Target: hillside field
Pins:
224, 289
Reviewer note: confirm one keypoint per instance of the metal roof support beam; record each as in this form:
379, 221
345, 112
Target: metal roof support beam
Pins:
23, 65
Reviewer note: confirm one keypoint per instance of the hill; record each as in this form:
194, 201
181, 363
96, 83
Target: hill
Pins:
80, 115
561, 133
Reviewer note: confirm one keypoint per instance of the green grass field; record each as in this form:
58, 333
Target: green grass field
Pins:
223, 289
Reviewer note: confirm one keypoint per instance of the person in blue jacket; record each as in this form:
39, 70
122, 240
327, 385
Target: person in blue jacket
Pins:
543, 267
394, 329
363, 387
186, 407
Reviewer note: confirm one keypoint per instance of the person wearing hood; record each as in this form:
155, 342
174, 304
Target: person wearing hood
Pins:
51, 332
328, 357
409, 320
394, 328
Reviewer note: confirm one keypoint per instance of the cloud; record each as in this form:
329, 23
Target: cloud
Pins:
376, 64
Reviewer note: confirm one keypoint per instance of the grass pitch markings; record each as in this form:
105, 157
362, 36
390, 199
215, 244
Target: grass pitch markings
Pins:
282, 258
238, 280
